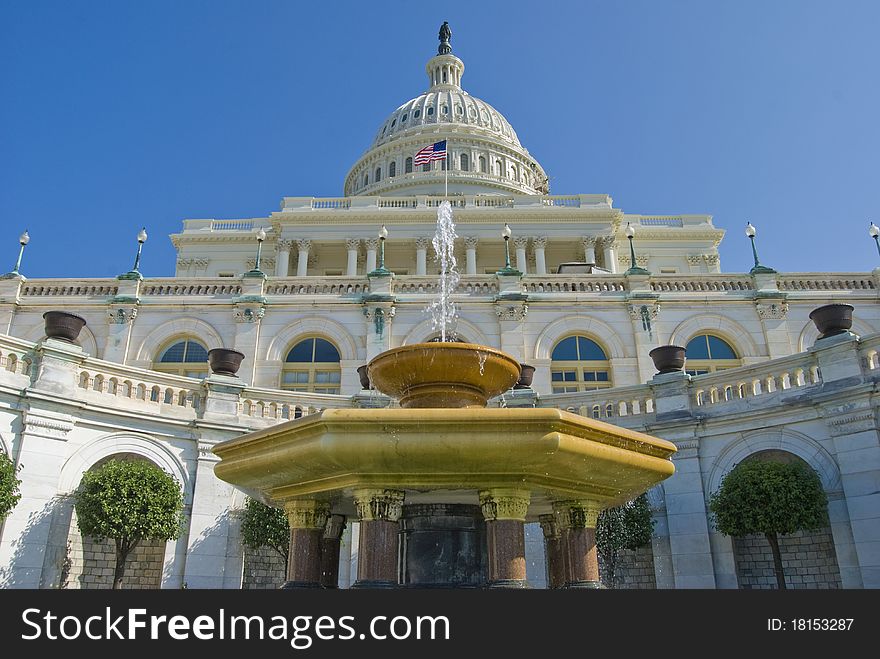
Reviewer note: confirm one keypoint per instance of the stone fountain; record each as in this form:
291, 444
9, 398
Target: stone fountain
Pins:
470, 476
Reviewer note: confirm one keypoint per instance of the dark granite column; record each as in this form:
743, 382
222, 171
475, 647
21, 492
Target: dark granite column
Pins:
379, 513
505, 512
307, 519
554, 551
330, 551
577, 524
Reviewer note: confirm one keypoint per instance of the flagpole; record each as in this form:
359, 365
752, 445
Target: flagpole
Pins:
446, 169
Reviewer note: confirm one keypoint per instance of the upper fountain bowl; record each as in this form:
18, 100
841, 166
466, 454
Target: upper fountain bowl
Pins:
441, 374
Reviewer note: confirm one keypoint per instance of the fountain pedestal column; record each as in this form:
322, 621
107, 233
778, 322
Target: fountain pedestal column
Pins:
330, 542
505, 512
307, 519
577, 525
379, 512
554, 550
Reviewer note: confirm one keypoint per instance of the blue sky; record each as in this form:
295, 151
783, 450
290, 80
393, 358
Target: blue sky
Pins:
122, 114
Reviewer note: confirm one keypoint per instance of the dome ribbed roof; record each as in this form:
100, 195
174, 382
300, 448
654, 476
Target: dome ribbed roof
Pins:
441, 108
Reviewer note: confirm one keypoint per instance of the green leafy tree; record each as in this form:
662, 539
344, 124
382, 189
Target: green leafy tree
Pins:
128, 501
9, 494
629, 526
770, 498
264, 526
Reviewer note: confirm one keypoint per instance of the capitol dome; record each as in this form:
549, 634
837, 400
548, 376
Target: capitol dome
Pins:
484, 153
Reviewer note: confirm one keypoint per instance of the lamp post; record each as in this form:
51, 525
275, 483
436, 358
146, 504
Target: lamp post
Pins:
633, 268
383, 234
873, 231
23, 240
261, 236
381, 271
758, 268
142, 238
134, 273
507, 270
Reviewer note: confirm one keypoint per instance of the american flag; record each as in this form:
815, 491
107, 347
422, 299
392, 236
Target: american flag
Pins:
435, 151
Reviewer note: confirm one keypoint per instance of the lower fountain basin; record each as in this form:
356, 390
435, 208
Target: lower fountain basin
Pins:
552, 453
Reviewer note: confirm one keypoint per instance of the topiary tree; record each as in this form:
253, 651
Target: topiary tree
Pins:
9, 494
629, 526
264, 526
771, 498
128, 501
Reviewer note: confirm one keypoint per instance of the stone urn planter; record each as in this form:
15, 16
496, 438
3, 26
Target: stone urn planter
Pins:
832, 319
224, 361
364, 376
668, 359
525, 377
63, 325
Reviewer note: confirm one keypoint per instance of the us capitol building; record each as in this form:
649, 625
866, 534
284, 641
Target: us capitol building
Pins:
292, 291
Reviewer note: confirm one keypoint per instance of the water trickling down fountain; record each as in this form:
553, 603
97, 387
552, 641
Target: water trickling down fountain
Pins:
470, 476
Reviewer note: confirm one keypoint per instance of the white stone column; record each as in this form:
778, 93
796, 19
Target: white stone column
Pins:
610, 253
686, 513
302, 264
589, 243
352, 244
521, 242
282, 258
422, 255
539, 243
209, 525
28, 553
26, 541
853, 430
372, 245
470, 244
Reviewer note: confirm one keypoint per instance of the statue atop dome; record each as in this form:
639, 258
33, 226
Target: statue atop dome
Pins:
445, 36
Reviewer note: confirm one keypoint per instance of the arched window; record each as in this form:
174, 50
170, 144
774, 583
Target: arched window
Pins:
378, 174
407, 167
707, 353
430, 110
392, 169
183, 357
366, 179
499, 168
483, 164
312, 365
417, 114
426, 167
464, 162
579, 364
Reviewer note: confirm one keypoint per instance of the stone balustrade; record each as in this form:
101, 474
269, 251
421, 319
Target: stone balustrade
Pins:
800, 370
274, 405
701, 283
838, 281
574, 283
69, 287
336, 285
104, 383
607, 404
175, 286
361, 202
48, 291
476, 285
15, 360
